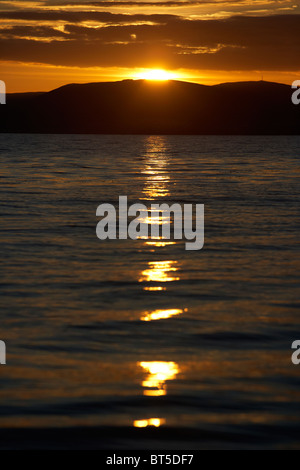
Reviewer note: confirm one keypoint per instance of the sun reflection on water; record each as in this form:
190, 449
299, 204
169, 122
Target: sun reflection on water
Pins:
159, 243
158, 373
161, 314
143, 423
155, 171
160, 271
157, 181
154, 288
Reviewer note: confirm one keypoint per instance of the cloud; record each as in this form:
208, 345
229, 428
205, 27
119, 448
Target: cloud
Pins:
80, 16
236, 43
235, 31
32, 31
142, 3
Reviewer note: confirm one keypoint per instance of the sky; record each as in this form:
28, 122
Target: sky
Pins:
46, 44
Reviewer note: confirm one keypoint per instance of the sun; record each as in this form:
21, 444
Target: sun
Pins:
155, 74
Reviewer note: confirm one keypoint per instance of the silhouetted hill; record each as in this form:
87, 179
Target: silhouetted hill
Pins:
144, 107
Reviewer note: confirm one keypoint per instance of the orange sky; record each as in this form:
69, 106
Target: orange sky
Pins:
46, 44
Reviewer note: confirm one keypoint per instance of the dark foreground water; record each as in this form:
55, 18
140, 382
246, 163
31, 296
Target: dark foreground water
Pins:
140, 343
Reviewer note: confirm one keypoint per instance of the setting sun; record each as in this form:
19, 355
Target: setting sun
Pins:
156, 74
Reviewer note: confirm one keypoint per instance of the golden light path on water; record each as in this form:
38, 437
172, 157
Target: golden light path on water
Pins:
161, 314
158, 372
160, 272
156, 169
154, 288
159, 243
156, 187
153, 219
143, 423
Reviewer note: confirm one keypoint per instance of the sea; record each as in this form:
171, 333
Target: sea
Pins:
140, 343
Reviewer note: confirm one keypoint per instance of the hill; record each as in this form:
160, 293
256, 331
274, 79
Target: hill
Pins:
145, 107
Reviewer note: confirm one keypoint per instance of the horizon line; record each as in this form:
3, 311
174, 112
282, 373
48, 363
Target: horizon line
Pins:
154, 82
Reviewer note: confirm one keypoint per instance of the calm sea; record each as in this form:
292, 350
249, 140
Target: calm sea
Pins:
140, 343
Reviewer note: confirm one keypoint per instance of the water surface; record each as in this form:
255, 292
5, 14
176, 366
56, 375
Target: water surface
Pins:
142, 342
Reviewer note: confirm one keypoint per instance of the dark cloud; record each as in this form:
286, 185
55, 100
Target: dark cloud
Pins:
100, 3
237, 43
8, 6
235, 31
79, 16
31, 31
141, 3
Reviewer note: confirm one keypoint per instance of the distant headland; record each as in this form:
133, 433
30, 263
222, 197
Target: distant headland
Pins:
148, 107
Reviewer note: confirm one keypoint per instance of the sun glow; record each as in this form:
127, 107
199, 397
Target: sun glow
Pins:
156, 74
